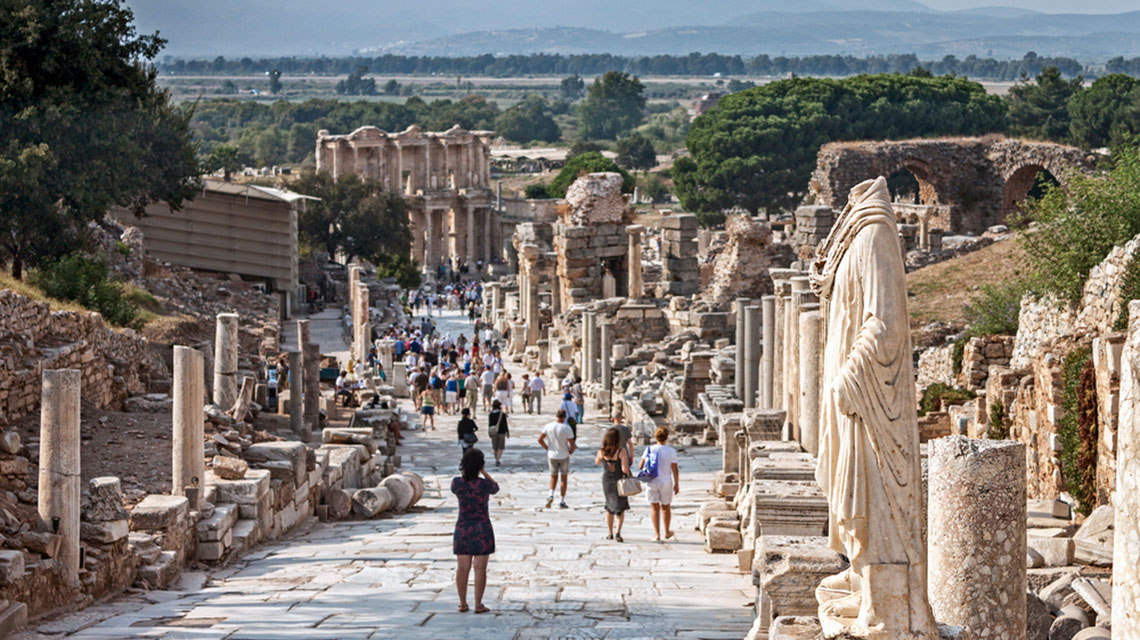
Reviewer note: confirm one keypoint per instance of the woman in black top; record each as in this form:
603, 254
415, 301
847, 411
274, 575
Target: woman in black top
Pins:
497, 429
467, 429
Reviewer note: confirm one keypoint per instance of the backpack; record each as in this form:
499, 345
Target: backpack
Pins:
649, 469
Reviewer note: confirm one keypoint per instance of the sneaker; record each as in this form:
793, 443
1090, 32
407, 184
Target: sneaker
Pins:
549, 501
563, 505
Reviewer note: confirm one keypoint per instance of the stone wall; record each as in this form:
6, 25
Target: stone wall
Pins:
114, 363
590, 238
741, 269
979, 355
680, 274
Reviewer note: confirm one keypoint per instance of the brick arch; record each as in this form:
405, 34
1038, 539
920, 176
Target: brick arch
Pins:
923, 174
1018, 184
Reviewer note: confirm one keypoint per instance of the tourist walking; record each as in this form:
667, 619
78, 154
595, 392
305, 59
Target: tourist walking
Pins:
526, 392
451, 394
660, 463
471, 391
503, 391
570, 408
488, 380
498, 429
474, 538
579, 399
466, 431
427, 408
615, 466
537, 388
558, 440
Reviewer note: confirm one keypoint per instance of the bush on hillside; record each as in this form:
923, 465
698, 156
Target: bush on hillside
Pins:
85, 281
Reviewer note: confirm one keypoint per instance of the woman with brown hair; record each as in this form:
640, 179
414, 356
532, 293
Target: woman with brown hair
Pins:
615, 466
474, 539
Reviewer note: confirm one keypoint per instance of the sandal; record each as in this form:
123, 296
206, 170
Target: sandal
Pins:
668, 535
610, 537
481, 609
618, 538
462, 608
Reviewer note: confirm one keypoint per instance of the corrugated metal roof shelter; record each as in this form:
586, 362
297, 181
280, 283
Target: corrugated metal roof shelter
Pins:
231, 228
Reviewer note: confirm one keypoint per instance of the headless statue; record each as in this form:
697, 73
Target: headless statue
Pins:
868, 432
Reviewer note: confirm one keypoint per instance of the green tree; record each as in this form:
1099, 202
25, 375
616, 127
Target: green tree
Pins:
1040, 109
1106, 113
636, 152
584, 146
356, 84
353, 215
571, 88
83, 125
527, 121
225, 158
392, 88
614, 105
1079, 225
271, 146
757, 149
592, 162
274, 81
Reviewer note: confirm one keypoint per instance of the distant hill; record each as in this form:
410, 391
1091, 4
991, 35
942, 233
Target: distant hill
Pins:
207, 28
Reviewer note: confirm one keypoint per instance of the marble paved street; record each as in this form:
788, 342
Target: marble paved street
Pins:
553, 576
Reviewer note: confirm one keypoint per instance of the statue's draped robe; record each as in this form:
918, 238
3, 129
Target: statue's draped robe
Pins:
868, 434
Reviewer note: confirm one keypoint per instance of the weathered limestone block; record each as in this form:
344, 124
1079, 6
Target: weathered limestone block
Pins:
722, 537
11, 566
977, 541
104, 532
228, 468
417, 485
787, 569
285, 451
159, 513
247, 491
596, 198
788, 508
103, 500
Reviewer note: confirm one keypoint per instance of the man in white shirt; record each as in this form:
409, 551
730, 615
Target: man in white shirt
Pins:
667, 483
488, 335
537, 387
488, 380
558, 440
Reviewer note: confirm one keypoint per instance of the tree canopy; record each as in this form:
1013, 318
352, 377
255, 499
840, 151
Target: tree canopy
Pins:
757, 148
1040, 109
591, 162
353, 216
636, 152
528, 121
614, 105
83, 125
1106, 113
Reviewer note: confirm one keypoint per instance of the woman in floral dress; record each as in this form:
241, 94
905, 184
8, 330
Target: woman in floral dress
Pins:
474, 539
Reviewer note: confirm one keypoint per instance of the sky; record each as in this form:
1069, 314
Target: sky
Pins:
1047, 6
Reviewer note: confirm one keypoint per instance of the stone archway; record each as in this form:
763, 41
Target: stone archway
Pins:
1018, 185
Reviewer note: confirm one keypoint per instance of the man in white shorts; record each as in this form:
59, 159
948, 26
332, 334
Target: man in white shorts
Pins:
661, 489
558, 440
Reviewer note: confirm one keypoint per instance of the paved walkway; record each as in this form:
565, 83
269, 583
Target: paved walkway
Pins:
553, 576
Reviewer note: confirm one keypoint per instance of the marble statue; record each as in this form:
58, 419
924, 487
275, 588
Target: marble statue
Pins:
868, 436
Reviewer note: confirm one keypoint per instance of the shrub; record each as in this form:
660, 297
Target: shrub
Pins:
123, 248
1078, 226
85, 281
994, 309
537, 191
998, 430
1128, 292
939, 395
1077, 428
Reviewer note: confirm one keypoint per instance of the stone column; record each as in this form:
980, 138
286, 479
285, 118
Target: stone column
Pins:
792, 354
767, 362
738, 375
532, 322
607, 341
353, 280
1126, 497
296, 392
188, 448
782, 288
226, 361
59, 463
595, 348
430, 259
556, 296
311, 377
488, 220
364, 323
751, 355
809, 379
587, 348
470, 232
976, 529
633, 261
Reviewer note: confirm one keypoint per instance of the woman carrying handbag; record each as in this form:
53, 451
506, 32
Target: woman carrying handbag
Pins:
498, 429
615, 473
